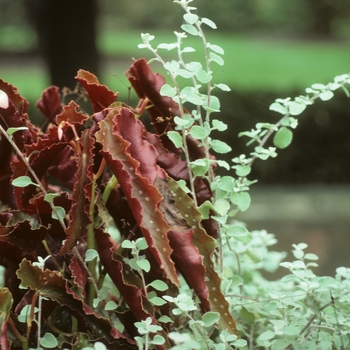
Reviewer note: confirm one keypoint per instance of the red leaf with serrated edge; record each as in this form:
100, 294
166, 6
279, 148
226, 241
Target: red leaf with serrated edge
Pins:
161, 109
123, 277
19, 102
51, 285
134, 165
100, 96
206, 283
79, 219
50, 103
79, 274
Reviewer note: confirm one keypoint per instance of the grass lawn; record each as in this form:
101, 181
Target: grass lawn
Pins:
250, 63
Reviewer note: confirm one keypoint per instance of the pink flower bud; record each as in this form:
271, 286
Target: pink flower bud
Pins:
4, 100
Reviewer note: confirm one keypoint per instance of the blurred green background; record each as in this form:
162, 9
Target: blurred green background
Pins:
273, 49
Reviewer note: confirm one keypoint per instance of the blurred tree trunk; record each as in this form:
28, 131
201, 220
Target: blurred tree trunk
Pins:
67, 37
322, 14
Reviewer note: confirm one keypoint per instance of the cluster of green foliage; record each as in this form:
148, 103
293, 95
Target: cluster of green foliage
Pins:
153, 256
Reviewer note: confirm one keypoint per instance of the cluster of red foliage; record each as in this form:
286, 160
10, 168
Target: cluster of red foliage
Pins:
74, 159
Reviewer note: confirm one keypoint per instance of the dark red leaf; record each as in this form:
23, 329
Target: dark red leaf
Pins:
50, 103
51, 285
100, 96
134, 165
124, 278
203, 279
79, 218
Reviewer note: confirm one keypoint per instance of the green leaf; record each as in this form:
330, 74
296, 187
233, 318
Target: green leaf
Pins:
60, 212
91, 254
200, 166
165, 319
157, 301
159, 285
128, 244
198, 132
223, 87
221, 206
176, 138
220, 146
266, 335
144, 265
141, 243
49, 341
241, 199
111, 305
296, 108
190, 18
240, 233
23, 181
216, 58
158, 340
190, 29
219, 125
283, 137
203, 76
167, 90
208, 22
326, 95
210, 318
277, 107
49, 197
11, 131
243, 170
216, 48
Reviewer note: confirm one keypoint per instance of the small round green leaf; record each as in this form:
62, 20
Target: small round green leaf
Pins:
144, 265
198, 132
210, 318
190, 29
23, 181
91, 254
111, 305
243, 170
296, 108
283, 137
167, 90
190, 18
49, 341
220, 147
60, 212
176, 138
159, 285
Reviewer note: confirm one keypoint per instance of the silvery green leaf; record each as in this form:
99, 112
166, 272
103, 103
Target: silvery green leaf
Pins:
188, 49
23, 181
203, 76
318, 86
220, 146
219, 125
184, 73
198, 132
190, 29
223, 87
241, 199
176, 138
190, 18
326, 95
216, 58
172, 66
193, 66
91, 254
279, 108
223, 164
60, 212
167, 90
296, 108
167, 46
216, 48
208, 22
283, 137
144, 265
11, 131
